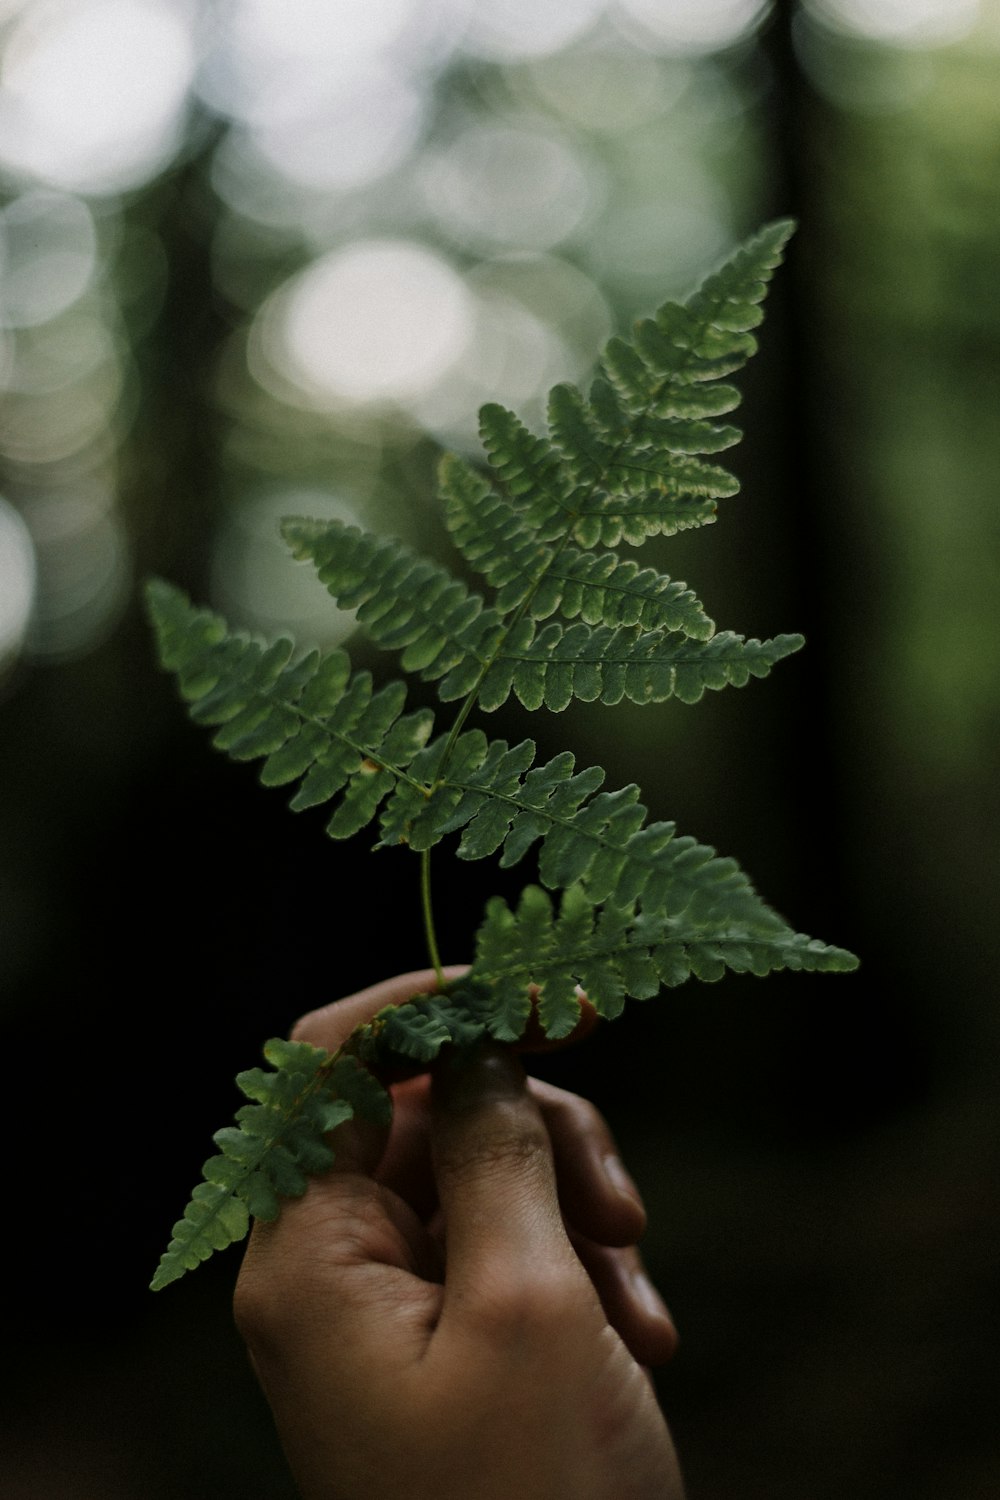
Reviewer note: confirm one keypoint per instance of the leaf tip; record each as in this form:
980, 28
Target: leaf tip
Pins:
170, 1269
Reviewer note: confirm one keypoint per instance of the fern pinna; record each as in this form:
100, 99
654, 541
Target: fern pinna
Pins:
641, 905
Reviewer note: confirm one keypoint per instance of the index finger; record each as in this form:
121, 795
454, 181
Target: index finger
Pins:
330, 1025
360, 1144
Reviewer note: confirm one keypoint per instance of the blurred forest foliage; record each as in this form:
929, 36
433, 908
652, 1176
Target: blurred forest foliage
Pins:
268, 256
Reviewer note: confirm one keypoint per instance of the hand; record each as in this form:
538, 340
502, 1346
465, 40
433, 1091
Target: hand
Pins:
457, 1311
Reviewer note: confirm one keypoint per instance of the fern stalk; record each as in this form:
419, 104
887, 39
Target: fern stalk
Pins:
428, 911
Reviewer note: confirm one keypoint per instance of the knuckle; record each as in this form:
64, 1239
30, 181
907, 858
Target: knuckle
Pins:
571, 1114
589, 1120
511, 1141
291, 1265
535, 1304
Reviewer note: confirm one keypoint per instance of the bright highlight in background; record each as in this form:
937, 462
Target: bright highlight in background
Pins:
48, 255
92, 92
17, 582
254, 583
902, 22
696, 25
380, 321
525, 28
495, 186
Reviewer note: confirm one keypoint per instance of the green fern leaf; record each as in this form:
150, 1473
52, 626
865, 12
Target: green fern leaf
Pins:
702, 339
212, 1220
642, 906
417, 1029
613, 953
603, 589
313, 720
599, 587
404, 601
278, 1141
633, 444
632, 487
501, 804
528, 468
491, 533
549, 667
558, 663
343, 731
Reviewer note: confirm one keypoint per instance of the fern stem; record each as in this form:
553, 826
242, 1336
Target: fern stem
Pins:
425, 896
473, 695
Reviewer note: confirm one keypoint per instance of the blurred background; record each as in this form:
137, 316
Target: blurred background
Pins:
268, 256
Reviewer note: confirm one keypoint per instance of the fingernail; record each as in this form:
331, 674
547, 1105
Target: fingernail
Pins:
614, 1170
648, 1297
469, 1077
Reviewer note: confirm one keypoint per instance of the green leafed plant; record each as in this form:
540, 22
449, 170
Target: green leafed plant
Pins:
641, 905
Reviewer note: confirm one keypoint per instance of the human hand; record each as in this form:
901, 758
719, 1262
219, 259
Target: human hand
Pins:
457, 1311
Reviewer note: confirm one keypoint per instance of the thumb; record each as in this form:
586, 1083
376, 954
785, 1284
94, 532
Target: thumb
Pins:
495, 1175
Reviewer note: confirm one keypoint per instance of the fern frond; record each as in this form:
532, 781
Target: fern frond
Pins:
601, 588
492, 533
604, 589
446, 632
419, 1028
606, 448
634, 443
405, 602
628, 462
311, 720
529, 469
553, 665
612, 953
702, 339
595, 482
490, 793
642, 906
279, 1139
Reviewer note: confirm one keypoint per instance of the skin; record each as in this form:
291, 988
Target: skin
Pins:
457, 1311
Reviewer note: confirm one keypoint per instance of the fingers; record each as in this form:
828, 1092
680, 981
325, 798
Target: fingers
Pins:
534, 1038
495, 1176
514, 1163
406, 1166
631, 1303
597, 1195
332, 1024
359, 1145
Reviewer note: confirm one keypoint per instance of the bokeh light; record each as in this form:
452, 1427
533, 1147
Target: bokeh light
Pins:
17, 582
357, 133
903, 23
606, 91
48, 256
83, 570
252, 582
695, 25
379, 321
79, 346
493, 185
40, 431
273, 59
523, 28
93, 92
